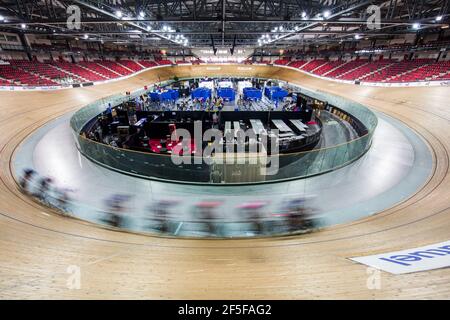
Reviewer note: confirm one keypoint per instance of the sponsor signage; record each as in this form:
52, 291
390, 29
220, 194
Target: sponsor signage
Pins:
430, 257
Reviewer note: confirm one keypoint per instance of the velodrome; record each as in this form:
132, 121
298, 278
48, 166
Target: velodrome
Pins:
38, 244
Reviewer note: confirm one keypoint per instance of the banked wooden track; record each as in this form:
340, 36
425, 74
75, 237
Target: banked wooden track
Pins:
37, 246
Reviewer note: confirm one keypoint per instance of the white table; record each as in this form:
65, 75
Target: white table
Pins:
281, 125
299, 125
257, 126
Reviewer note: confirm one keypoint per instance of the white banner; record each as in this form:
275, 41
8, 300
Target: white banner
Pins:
430, 257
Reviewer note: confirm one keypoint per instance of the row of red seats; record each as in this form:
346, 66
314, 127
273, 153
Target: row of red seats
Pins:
163, 62
398, 68
296, 64
328, 67
282, 62
313, 64
147, 63
4, 82
347, 67
21, 77
444, 77
130, 64
80, 72
93, 66
50, 73
366, 69
390, 71
438, 70
114, 66
42, 69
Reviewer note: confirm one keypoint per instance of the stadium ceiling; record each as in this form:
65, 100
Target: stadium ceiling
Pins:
199, 23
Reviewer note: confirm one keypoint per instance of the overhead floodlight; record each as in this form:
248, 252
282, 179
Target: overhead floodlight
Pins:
23, 25
326, 13
357, 36
439, 18
86, 36
2, 18
303, 14
142, 14
119, 14
149, 28
416, 26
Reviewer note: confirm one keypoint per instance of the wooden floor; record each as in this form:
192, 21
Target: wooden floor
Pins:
37, 246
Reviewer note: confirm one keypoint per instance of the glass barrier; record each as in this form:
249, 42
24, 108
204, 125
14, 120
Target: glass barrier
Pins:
281, 167
179, 218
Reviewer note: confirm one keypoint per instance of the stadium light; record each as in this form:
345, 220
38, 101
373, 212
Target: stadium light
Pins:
304, 14
326, 13
23, 25
86, 36
357, 36
2, 18
119, 14
439, 18
416, 26
142, 14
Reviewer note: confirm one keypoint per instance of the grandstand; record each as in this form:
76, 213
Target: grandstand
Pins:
50, 73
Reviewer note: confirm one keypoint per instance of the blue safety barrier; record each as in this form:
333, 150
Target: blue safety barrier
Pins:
275, 93
227, 94
198, 93
252, 93
166, 95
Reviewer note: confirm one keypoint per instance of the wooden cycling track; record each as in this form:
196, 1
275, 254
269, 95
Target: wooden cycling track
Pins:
37, 245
